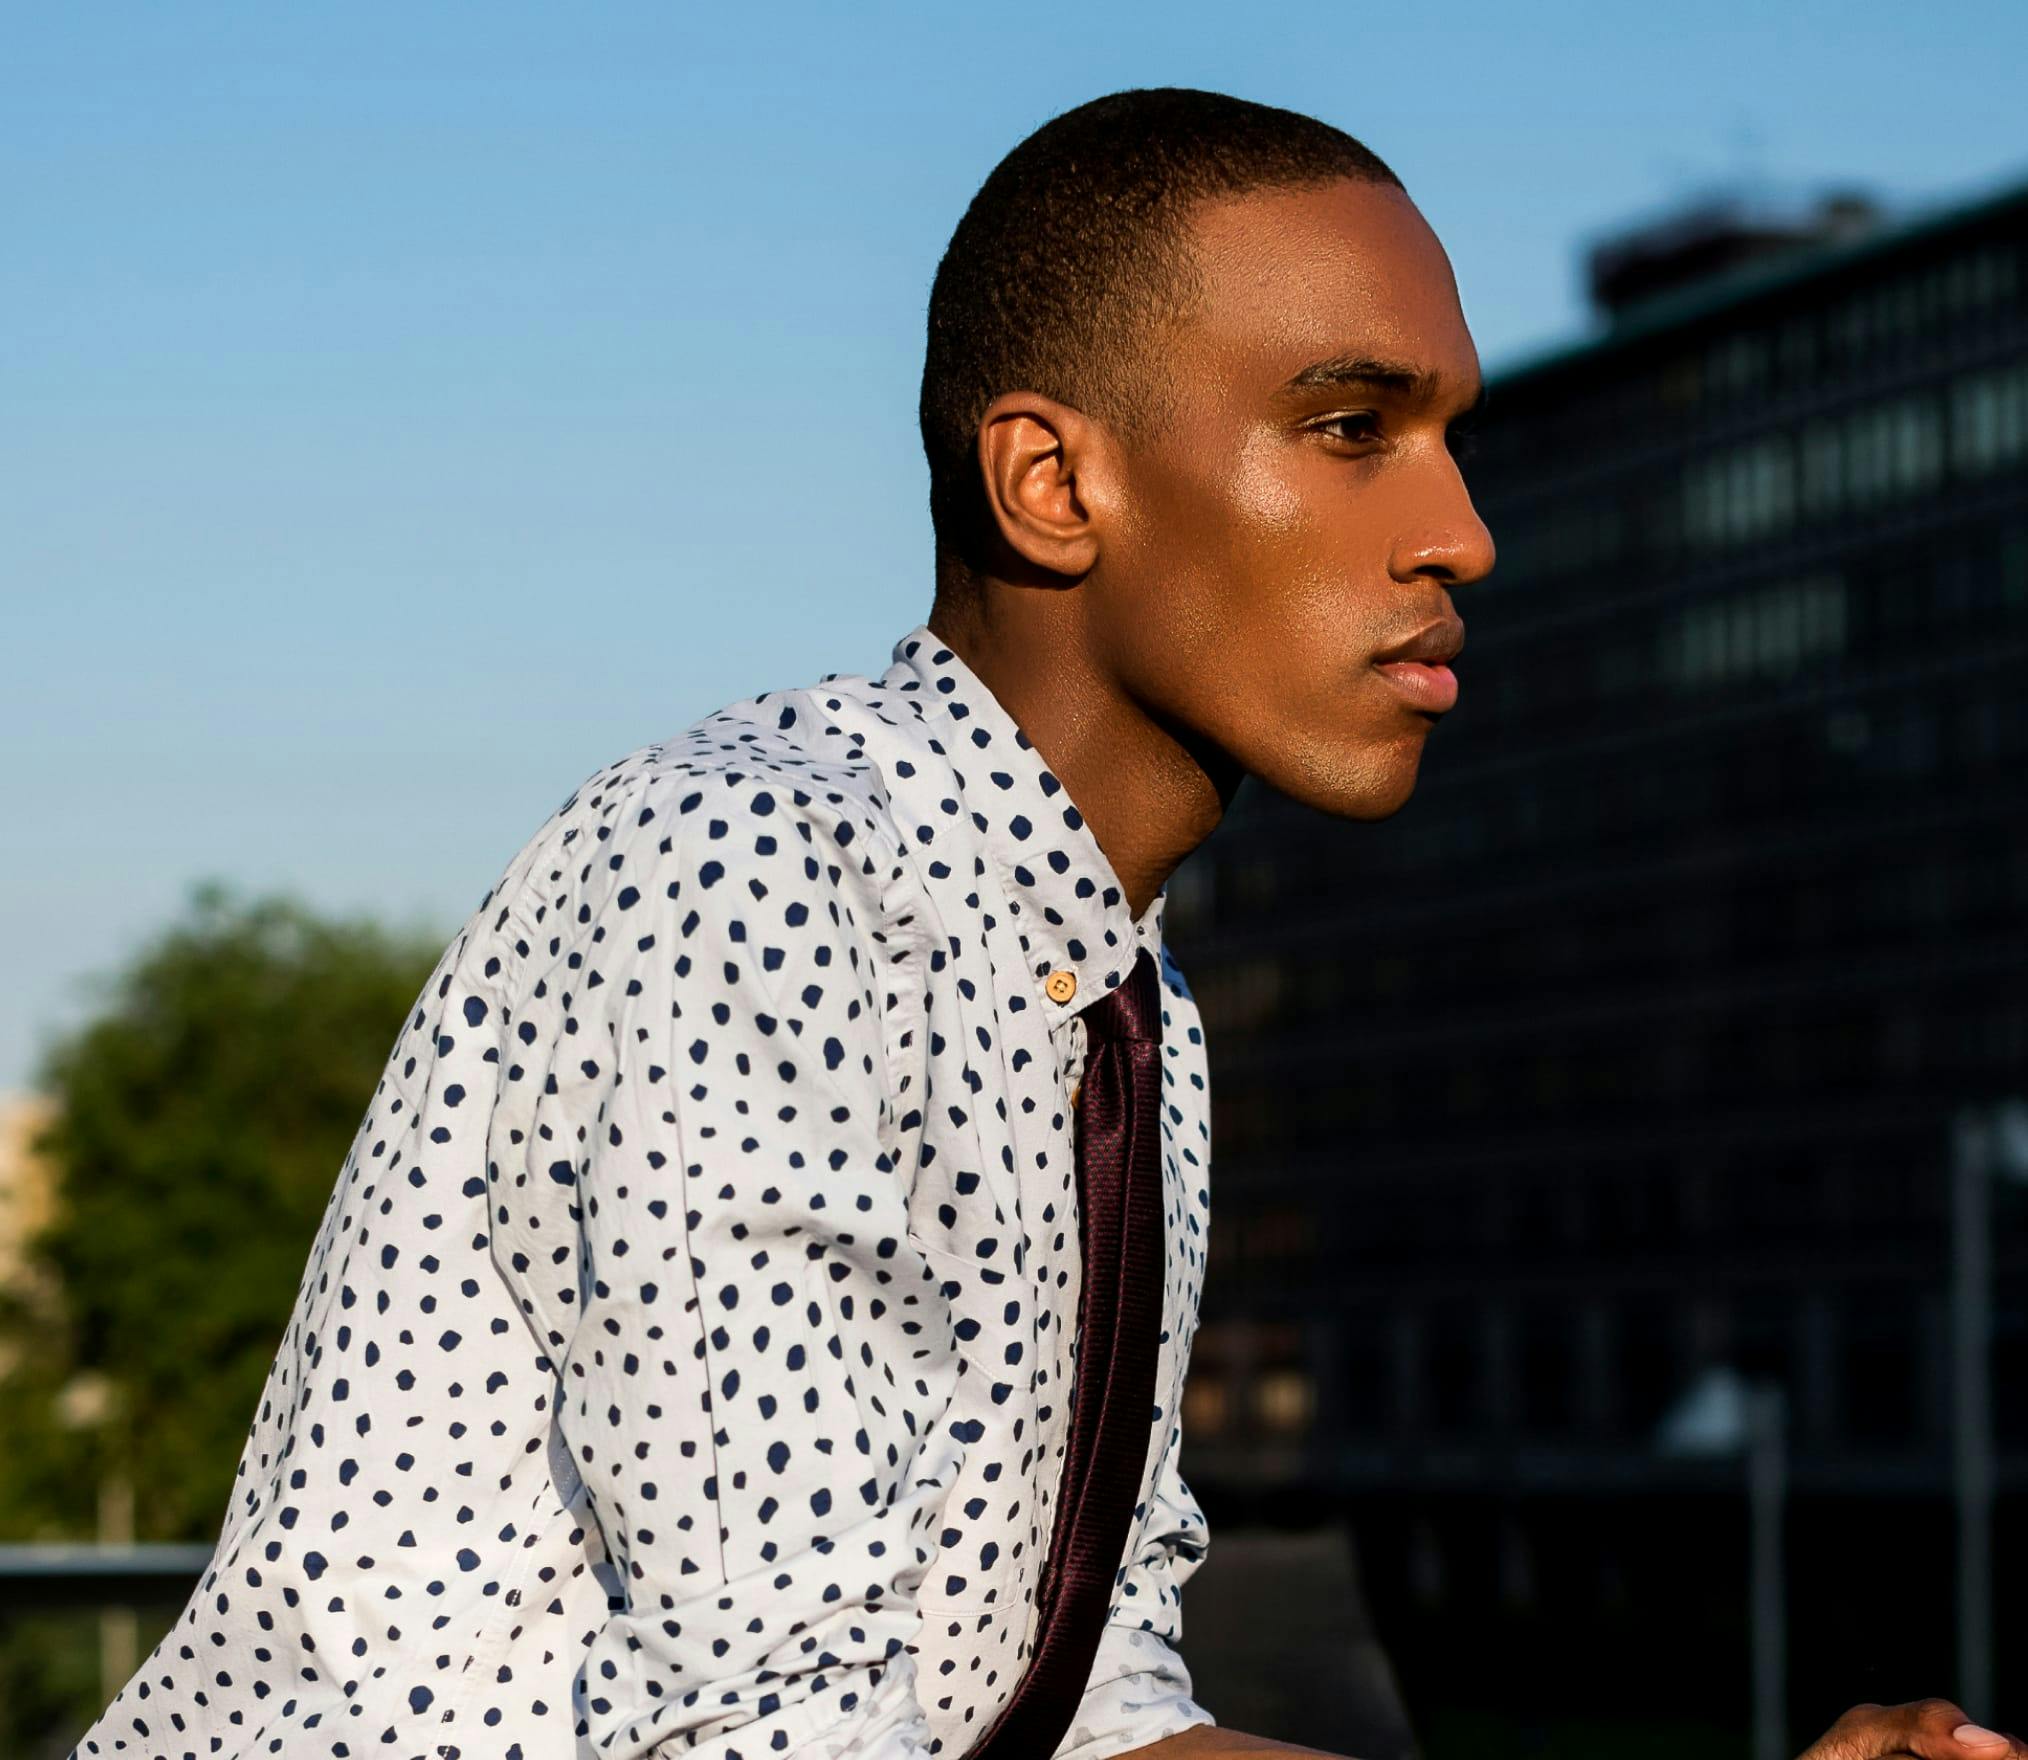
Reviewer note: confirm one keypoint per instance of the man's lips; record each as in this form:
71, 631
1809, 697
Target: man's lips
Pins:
1419, 667
1435, 644
1426, 685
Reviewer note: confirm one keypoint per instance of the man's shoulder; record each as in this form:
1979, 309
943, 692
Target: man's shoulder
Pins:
793, 769
792, 749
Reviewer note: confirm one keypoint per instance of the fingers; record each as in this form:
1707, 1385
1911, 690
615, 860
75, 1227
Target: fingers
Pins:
1988, 1744
1922, 1729
1938, 1729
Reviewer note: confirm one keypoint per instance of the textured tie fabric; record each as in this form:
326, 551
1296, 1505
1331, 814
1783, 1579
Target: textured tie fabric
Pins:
1119, 1319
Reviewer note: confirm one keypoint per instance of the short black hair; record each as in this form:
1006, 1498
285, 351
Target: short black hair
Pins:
1075, 242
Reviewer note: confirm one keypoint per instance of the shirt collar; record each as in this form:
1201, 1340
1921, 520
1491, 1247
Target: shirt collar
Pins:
1069, 906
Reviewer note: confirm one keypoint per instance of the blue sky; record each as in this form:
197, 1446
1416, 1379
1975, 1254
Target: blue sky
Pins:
396, 402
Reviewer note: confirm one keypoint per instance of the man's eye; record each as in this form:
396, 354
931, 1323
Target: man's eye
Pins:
1366, 422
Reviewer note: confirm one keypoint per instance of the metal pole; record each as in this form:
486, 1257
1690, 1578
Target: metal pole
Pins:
119, 1625
1767, 1486
1971, 1403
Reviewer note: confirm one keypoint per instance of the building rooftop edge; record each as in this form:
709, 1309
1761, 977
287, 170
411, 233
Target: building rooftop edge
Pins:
1682, 307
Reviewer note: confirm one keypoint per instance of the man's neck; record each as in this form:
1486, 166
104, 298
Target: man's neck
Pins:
1149, 798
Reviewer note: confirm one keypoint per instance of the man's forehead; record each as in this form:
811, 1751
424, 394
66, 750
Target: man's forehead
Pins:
1332, 285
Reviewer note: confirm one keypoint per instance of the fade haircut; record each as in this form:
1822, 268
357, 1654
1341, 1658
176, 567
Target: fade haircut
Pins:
1071, 253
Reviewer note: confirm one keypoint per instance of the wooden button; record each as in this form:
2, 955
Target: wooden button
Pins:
1061, 984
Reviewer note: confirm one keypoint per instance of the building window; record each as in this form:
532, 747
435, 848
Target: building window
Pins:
1243, 995
1206, 1404
1281, 1234
1892, 450
1735, 496
1989, 419
1768, 632
1648, 1355
1549, 1368
1284, 1401
1823, 449
1877, 1368
1456, 1367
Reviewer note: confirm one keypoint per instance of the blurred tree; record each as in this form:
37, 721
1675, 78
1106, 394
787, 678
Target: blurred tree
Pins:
200, 1122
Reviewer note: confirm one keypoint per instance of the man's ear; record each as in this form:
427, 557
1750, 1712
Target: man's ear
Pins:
1048, 475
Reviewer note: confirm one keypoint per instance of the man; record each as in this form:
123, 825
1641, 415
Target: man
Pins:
691, 1356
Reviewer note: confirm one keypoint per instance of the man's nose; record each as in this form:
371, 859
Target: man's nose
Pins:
1454, 546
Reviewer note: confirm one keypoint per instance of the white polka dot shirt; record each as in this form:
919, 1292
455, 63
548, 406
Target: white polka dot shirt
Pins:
681, 1363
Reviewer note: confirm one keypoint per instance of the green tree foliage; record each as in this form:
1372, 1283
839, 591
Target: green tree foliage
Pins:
201, 1120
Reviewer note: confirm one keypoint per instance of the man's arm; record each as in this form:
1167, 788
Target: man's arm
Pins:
1922, 1729
729, 1391
1209, 1741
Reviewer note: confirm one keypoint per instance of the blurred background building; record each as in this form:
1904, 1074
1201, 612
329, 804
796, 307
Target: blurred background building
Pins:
1632, 1046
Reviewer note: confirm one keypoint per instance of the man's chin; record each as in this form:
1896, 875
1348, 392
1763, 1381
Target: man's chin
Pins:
1369, 808
1368, 785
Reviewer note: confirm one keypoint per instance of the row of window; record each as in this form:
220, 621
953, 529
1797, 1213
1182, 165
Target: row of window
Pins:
1276, 1402
1895, 450
1859, 1366
1836, 897
1989, 418
1896, 605
1837, 765
1849, 333
1887, 451
1768, 631
1575, 538
1544, 1215
1868, 320
1735, 1049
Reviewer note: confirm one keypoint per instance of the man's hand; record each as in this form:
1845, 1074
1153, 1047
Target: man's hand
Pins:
1929, 1729
1213, 1741
1923, 1729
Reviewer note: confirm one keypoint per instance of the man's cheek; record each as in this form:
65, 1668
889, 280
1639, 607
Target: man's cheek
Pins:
1268, 492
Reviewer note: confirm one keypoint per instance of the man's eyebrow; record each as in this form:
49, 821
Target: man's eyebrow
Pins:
1410, 381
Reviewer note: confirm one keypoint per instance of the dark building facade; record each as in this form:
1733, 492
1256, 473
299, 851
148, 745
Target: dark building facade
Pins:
1632, 1045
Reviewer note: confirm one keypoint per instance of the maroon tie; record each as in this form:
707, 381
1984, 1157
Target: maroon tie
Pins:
1119, 1325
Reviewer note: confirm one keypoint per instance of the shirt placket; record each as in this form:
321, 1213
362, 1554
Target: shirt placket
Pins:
1076, 1045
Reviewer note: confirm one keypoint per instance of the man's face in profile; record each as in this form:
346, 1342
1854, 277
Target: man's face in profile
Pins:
1292, 519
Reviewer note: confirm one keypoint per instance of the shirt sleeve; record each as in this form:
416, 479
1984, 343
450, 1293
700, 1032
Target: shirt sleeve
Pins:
712, 1114
1140, 1690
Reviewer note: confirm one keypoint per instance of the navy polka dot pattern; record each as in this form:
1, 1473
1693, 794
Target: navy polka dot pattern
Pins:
682, 1363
